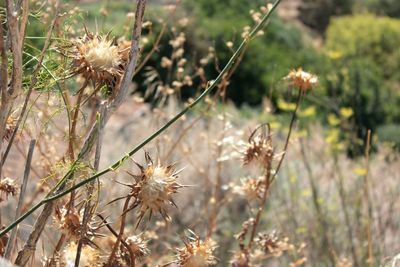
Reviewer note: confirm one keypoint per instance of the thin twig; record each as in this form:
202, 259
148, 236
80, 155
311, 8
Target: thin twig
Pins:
288, 135
121, 233
86, 213
370, 260
13, 235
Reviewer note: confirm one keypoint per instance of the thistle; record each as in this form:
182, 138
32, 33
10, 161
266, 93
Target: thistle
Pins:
8, 186
154, 187
97, 59
258, 149
197, 253
90, 257
302, 80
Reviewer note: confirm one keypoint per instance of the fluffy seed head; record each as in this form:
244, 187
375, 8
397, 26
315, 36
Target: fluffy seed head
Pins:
258, 149
10, 126
302, 80
97, 59
154, 188
197, 253
241, 258
90, 257
138, 246
8, 186
272, 245
250, 188
68, 222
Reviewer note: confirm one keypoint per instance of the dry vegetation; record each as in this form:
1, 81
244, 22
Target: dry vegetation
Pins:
94, 175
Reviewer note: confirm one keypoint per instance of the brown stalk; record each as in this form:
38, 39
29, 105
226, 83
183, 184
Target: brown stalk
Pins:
87, 214
16, 42
267, 183
121, 233
370, 260
13, 235
268, 179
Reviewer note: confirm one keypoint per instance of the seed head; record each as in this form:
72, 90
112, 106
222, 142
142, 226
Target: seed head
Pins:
68, 222
10, 126
8, 186
241, 258
154, 187
97, 59
138, 246
302, 80
251, 188
90, 257
258, 149
272, 245
197, 253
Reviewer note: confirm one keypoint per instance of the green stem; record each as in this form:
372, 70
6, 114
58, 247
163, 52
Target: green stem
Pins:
117, 164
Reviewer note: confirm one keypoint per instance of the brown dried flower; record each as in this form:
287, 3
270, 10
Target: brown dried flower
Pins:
302, 80
138, 246
97, 59
10, 126
241, 258
251, 188
154, 187
197, 253
272, 245
68, 222
258, 149
8, 186
90, 257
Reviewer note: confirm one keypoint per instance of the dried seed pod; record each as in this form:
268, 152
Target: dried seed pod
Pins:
97, 59
197, 253
8, 186
138, 245
259, 148
302, 80
154, 187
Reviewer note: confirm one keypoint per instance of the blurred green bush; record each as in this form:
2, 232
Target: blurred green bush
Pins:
367, 36
390, 8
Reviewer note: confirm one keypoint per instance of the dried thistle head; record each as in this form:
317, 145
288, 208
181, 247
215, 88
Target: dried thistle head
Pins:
8, 186
251, 188
302, 80
259, 148
138, 246
241, 258
90, 257
68, 222
197, 253
97, 59
272, 245
10, 126
154, 187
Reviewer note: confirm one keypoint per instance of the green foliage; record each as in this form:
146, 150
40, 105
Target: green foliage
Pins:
384, 7
365, 58
268, 58
377, 38
390, 134
359, 85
